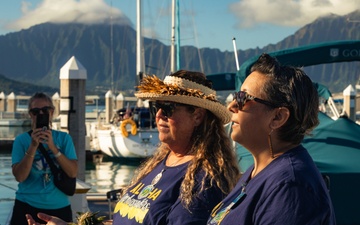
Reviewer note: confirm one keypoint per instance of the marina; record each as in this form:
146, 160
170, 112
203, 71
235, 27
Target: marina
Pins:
334, 147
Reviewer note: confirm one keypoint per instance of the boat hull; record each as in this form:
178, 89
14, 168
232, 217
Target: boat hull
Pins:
114, 144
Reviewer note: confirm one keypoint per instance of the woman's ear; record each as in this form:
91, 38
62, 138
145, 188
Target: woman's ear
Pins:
280, 116
199, 115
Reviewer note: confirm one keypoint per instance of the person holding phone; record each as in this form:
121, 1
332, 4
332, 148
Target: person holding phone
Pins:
36, 190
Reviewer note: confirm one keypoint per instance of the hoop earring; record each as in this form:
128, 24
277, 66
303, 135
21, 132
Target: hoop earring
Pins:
270, 145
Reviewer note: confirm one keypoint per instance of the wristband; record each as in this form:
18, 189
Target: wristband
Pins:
57, 155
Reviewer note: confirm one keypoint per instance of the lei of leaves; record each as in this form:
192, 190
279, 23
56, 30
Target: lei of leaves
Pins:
88, 218
152, 84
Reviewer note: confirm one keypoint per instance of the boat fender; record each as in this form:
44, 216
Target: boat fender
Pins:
123, 127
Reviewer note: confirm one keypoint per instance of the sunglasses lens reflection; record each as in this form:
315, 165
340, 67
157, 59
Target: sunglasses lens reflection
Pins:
240, 97
153, 109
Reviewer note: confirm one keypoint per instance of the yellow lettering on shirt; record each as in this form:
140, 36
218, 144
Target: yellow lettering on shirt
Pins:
136, 189
154, 194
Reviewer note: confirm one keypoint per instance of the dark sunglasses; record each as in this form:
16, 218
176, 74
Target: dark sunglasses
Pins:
167, 108
45, 110
242, 97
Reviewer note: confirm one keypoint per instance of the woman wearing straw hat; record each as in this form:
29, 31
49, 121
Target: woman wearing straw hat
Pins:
195, 165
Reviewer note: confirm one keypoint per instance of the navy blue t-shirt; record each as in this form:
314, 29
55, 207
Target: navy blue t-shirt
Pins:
160, 204
290, 190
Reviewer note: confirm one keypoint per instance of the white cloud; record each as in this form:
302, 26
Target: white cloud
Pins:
65, 11
288, 12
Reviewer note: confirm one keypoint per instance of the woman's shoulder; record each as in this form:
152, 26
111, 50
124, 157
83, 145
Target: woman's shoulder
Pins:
60, 133
296, 168
23, 135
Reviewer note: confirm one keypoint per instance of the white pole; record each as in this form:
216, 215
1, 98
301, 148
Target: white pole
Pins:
139, 44
236, 56
172, 58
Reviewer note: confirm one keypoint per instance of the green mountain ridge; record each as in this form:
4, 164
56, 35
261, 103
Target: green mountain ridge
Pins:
22, 88
35, 55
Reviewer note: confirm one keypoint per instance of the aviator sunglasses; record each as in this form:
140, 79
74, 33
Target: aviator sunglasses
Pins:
36, 111
242, 97
167, 108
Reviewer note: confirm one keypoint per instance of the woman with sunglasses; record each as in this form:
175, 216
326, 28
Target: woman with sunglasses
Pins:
276, 107
36, 190
194, 166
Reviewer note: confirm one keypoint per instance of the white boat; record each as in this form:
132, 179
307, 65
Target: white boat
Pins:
135, 137
138, 146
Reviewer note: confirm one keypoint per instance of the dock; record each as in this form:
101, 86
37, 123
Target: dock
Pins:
99, 203
6, 144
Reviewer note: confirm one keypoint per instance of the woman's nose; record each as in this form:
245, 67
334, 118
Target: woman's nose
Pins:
160, 114
232, 106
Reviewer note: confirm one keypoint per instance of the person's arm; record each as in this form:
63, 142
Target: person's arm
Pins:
21, 170
69, 166
50, 220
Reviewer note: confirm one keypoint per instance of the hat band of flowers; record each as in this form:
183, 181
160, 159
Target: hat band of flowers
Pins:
184, 91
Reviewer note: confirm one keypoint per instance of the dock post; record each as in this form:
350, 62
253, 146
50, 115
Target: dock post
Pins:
120, 101
11, 103
109, 106
2, 102
72, 119
56, 101
349, 107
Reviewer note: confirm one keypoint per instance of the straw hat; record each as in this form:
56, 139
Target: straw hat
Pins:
176, 89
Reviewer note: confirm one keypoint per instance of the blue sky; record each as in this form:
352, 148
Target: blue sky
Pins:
204, 23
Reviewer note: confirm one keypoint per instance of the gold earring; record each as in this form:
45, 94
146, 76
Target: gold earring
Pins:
270, 144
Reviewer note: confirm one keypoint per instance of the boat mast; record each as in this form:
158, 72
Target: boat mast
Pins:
140, 68
111, 50
175, 37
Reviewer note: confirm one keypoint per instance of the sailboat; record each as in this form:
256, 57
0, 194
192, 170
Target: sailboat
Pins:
135, 135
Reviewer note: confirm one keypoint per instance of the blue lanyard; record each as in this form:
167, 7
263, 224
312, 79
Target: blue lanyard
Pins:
238, 198
44, 163
222, 213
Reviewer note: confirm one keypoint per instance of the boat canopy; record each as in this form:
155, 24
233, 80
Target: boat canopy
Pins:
329, 52
323, 53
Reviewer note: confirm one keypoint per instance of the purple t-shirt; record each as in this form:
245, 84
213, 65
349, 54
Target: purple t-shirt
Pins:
160, 203
290, 190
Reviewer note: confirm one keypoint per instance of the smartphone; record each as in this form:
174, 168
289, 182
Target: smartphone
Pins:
42, 121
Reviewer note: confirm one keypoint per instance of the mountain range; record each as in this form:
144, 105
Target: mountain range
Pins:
35, 55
